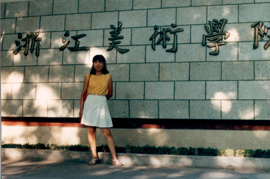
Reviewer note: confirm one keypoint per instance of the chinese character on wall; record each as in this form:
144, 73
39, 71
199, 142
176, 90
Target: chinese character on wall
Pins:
215, 34
115, 39
31, 40
77, 43
163, 37
262, 31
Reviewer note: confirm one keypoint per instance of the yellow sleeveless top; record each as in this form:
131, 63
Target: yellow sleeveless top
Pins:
98, 84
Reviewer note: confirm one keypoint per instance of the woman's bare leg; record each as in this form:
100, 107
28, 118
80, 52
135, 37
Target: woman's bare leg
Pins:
92, 141
109, 139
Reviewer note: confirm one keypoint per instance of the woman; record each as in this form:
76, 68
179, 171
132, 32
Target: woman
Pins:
94, 111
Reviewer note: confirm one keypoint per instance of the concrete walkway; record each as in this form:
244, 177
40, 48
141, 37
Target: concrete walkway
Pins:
39, 164
80, 170
131, 160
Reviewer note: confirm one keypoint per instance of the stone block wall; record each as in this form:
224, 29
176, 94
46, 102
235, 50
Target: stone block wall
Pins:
188, 84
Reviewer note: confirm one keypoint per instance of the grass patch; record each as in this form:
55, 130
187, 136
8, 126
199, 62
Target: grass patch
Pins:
259, 153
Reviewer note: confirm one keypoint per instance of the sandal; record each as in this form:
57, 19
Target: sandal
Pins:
117, 163
93, 161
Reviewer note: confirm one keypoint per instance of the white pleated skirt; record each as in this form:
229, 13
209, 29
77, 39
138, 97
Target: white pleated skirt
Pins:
96, 112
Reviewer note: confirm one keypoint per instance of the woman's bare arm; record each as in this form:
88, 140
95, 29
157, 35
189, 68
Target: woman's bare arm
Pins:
85, 85
110, 86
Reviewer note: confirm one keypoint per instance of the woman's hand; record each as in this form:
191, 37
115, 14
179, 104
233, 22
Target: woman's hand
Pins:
81, 113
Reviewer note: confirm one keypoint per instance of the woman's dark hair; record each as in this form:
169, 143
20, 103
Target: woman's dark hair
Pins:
99, 58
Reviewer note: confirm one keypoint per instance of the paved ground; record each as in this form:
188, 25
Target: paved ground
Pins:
78, 170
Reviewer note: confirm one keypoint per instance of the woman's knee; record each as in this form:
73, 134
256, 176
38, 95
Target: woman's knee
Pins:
92, 130
106, 132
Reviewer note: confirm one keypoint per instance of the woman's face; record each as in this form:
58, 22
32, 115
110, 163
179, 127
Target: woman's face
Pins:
98, 65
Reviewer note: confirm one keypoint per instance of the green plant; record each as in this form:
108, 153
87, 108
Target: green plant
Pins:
103, 148
182, 151
120, 149
207, 152
259, 153
19, 146
249, 153
240, 153
227, 152
267, 154
149, 149
40, 146
164, 150
192, 151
